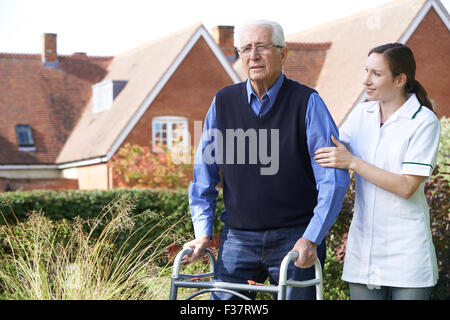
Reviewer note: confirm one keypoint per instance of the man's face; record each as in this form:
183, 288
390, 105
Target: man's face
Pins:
266, 66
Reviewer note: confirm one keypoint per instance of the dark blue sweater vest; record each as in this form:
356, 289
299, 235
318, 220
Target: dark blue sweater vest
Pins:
287, 198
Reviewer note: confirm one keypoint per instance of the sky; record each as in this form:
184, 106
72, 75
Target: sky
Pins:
110, 27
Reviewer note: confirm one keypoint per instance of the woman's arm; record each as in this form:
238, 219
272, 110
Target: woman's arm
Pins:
339, 157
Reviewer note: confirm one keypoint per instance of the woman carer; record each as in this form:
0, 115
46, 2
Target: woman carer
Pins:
391, 143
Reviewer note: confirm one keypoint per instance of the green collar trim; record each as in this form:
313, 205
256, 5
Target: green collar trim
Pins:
415, 114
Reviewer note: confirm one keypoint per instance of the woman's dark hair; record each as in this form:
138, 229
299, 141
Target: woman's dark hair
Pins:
401, 60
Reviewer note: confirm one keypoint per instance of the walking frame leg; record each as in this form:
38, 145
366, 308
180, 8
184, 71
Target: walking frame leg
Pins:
173, 290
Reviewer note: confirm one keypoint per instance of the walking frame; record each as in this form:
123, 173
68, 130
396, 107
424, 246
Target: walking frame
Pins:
186, 280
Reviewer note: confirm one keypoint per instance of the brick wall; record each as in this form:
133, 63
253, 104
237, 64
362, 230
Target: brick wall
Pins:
430, 44
224, 37
31, 184
49, 52
188, 93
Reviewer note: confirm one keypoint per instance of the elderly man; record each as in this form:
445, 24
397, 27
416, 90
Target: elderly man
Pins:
288, 207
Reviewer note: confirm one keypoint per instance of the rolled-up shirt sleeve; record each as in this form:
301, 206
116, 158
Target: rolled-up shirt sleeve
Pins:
202, 190
331, 183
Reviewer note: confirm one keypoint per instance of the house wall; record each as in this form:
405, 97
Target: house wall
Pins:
25, 174
188, 93
29, 179
430, 44
32, 184
94, 177
87, 177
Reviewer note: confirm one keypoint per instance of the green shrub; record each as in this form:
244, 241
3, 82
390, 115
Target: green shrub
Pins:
151, 206
443, 159
170, 205
57, 260
436, 191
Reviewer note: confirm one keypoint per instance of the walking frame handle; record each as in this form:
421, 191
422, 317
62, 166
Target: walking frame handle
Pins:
177, 278
284, 282
188, 252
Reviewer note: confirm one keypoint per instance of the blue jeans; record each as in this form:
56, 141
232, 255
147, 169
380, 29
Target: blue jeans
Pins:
360, 291
257, 255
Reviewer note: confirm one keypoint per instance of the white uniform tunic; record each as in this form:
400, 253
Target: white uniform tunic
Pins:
389, 241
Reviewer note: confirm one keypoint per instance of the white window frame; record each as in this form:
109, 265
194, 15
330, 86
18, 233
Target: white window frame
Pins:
104, 93
102, 96
169, 121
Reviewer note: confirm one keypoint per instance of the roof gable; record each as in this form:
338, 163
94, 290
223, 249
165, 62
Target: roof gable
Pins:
340, 81
147, 69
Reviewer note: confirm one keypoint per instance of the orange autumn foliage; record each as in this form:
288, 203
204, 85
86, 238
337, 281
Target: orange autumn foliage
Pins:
138, 166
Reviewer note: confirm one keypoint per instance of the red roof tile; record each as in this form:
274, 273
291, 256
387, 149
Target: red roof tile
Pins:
49, 100
143, 67
305, 60
339, 82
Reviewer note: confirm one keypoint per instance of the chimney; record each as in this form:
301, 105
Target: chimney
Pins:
48, 53
79, 55
224, 36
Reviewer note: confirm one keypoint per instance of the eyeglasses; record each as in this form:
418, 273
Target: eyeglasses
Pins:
261, 48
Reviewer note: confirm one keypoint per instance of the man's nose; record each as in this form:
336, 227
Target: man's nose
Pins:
254, 54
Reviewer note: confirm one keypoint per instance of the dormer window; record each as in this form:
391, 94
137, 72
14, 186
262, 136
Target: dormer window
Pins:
104, 93
25, 137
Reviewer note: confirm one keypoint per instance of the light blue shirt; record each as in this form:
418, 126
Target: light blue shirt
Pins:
331, 183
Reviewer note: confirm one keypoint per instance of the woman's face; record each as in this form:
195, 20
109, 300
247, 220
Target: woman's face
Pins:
379, 82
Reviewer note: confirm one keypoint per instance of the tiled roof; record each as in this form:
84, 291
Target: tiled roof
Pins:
142, 67
57, 102
49, 100
304, 62
340, 80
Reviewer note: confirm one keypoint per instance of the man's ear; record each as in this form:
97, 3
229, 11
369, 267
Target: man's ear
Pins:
284, 54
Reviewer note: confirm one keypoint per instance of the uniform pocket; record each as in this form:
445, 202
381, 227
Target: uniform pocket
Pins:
387, 200
410, 209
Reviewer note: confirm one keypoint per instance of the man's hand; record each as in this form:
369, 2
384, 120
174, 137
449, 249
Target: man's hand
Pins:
307, 253
199, 246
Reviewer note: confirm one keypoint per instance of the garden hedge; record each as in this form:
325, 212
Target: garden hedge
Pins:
173, 205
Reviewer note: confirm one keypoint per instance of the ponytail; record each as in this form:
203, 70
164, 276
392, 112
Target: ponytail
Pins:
421, 94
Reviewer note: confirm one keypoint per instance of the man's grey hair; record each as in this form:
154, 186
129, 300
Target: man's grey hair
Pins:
277, 31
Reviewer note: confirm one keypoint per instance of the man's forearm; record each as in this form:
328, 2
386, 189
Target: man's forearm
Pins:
330, 197
203, 206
